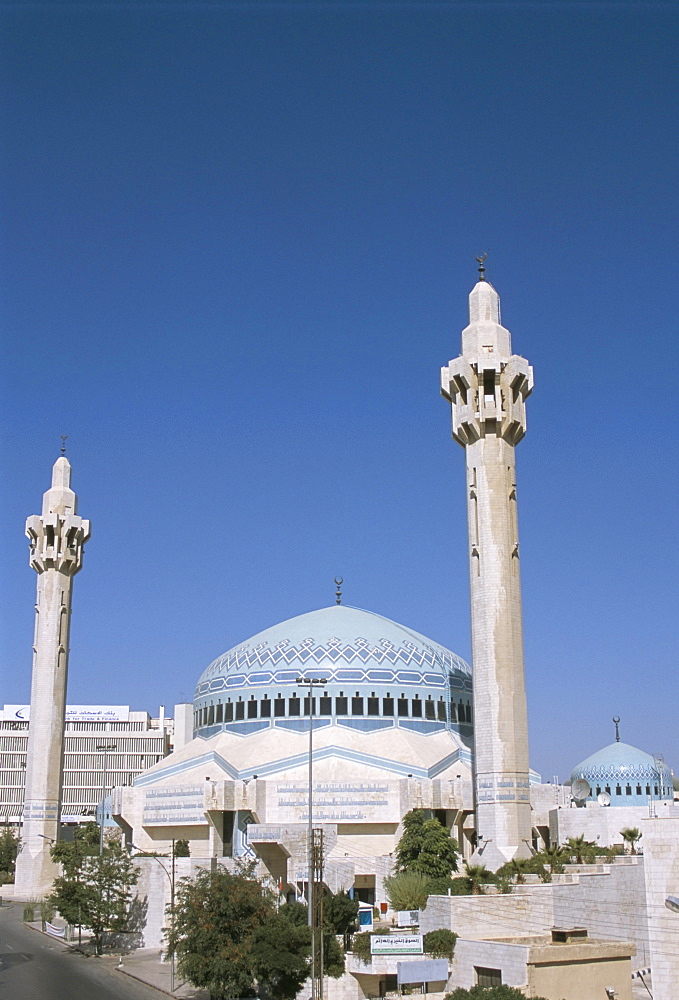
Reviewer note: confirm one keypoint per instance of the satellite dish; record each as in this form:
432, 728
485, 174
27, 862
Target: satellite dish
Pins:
603, 799
580, 789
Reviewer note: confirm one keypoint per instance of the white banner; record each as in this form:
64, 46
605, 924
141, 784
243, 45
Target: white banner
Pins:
396, 944
74, 713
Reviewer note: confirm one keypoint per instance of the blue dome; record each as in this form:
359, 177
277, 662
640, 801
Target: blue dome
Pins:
378, 673
629, 775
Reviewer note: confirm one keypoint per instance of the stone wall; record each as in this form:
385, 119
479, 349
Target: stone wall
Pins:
661, 864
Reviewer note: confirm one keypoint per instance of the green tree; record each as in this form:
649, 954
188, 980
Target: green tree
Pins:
476, 876
9, 848
488, 993
407, 891
554, 857
216, 915
280, 951
94, 890
182, 849
426, 847
631, 834
582, 850
340, 912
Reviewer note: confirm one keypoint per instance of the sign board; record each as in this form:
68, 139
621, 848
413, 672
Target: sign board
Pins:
431, 970
408, 918
74, 713
396, 944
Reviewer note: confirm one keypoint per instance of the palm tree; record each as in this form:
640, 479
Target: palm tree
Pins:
554, 856
477, 875
631, 835
580, 847
519, 867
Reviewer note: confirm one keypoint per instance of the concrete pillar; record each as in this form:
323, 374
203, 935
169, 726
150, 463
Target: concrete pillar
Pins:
56, 539
487, 387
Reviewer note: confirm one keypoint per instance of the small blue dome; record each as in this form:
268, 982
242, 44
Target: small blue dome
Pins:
629, 775
378, 674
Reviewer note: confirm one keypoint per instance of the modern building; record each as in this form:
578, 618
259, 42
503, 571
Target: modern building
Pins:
135, 742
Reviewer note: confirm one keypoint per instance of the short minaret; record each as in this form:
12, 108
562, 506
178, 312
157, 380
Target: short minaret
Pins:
487, 386
56, 540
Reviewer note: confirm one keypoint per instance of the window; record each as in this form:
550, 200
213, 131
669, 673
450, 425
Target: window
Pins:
638, 789
240, 710
220, 713
489, 383
402, 706
628, 790
341, 706
279, 707
325, 705
429, 710
306, 705
416, 708
252, 709
442, 711
211, 715
453, 712
618, 790
648, 789
488, 977
373, 706
293, 706
357, 706
228, 712
387, 706
265, 708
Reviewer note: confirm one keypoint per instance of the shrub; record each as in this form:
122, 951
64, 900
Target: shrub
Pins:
440, 943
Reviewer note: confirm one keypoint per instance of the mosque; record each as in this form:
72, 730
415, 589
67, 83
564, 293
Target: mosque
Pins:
344, 721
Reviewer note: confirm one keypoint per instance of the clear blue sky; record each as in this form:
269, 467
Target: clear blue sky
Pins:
238, 243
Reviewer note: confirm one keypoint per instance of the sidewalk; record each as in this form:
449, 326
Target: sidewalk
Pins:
145, 965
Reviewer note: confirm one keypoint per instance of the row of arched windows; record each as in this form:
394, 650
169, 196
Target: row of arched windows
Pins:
340, 705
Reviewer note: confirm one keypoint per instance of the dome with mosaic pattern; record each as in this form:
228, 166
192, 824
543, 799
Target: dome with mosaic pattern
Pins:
378, 675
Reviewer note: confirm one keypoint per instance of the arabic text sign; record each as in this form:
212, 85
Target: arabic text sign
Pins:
396, 944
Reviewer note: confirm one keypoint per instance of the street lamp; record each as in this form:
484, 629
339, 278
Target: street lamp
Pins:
103, 748
311, 683
172, 883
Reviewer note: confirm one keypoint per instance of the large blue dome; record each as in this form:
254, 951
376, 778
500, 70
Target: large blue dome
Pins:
629, 775
379, 674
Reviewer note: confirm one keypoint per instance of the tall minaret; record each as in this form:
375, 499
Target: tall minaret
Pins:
487, 386
56, 540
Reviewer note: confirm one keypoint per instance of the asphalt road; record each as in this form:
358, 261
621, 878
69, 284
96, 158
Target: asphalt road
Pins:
34, 967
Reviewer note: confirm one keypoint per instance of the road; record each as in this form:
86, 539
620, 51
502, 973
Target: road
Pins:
35, 967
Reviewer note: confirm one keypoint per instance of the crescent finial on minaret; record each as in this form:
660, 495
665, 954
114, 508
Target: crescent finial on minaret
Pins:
338, 593
481, 261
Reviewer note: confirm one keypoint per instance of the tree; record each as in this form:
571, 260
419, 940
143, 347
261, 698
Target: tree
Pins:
340, 912
426, 847
476, 876
554, 857
583, 850
488, 993
280, 951
9, 848
407, 891
182, 849
216, 916
94, 890
631, 834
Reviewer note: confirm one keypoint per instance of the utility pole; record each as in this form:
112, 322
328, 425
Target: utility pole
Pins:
311, 682
317, 878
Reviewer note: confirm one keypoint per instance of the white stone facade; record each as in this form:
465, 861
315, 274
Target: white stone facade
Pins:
57, 538
487, 387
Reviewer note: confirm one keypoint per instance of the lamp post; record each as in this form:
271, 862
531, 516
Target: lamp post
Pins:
103, 748
311, 683
172, 884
